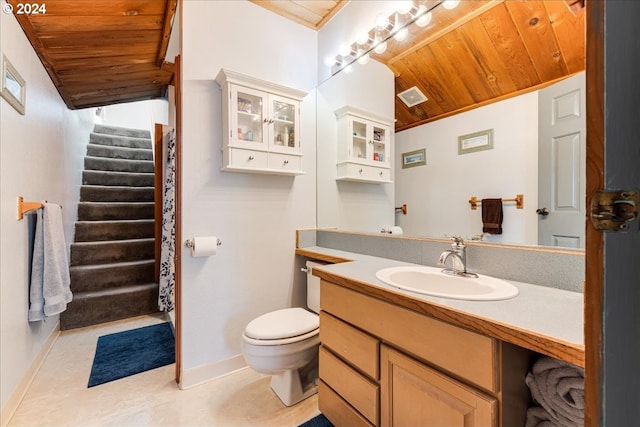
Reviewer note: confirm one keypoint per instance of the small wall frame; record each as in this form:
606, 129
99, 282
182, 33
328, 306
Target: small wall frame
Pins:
477, 141
414, 158
13, 86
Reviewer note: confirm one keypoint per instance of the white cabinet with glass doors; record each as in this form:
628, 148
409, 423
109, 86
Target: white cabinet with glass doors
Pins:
364, 146
261, 125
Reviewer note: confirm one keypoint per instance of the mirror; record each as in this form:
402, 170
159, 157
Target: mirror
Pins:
13, 86
437, 193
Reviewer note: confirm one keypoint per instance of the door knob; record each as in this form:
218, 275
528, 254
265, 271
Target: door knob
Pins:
542, 211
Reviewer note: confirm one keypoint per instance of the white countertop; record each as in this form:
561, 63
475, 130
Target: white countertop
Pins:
540, 318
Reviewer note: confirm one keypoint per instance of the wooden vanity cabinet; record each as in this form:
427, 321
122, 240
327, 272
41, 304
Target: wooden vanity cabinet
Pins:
385, 365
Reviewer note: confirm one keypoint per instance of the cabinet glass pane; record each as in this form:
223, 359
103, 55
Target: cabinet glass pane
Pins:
379, 144
284, 124
249, 117
359, 140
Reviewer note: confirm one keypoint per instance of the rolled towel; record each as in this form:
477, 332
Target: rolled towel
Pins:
558, 387
537, 416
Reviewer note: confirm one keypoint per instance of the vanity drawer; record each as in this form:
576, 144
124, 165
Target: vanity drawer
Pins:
351, 344
355, 388
461, 352
339, 412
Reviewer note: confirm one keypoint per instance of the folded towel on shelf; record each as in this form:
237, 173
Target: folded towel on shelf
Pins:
492, 216
50, 290
558, 387
539, 417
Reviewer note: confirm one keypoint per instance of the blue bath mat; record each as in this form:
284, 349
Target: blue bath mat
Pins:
317, 421
130, 352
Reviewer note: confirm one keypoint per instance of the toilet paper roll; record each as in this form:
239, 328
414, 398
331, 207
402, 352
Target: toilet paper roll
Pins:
395, 230
203, 246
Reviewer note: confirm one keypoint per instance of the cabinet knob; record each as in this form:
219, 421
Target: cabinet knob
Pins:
286, 162
380, 173
251, 158
265, 120
270, 121
360, 171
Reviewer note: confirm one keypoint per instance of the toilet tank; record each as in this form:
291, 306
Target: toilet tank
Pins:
313, 287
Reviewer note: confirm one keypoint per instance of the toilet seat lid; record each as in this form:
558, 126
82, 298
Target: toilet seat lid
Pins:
286, 323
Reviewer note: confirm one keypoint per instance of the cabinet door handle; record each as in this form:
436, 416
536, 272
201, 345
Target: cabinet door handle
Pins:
265, 120
270, 121
380, 173
286, 162
251, 158
360, 171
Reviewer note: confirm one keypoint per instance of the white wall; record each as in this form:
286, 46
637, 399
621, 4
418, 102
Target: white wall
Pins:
354, 206
136, 115
437, 194
255, 216
41, 158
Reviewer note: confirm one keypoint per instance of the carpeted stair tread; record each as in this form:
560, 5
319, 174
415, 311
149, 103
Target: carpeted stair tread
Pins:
95, 150
111, 251
104, 193
118, 165
91, 308
109, 178
120, 131
119, 141
87, 231
85, 278
113, 211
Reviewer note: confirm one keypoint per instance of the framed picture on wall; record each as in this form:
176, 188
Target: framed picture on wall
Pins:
414, 158
477, 141
13, 86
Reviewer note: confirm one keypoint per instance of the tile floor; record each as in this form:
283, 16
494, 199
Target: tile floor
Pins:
59, 395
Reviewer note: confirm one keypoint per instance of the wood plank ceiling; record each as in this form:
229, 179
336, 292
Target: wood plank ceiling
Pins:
102, 52
479, 52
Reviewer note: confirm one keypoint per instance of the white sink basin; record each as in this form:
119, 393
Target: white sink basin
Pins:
432, 281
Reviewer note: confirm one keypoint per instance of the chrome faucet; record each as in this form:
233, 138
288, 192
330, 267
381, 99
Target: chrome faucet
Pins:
458, 255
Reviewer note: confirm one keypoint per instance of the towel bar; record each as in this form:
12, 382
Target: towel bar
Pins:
24, 207
519, 199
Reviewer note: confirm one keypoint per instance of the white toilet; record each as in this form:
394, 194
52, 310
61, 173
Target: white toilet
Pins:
284, 344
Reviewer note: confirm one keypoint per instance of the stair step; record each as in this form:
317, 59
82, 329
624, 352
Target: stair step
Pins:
110, 211
88, 231
115, 130
118, 165
110, 178
94, 150
100, 193
103, 252
91, 308
97, 277
119, 141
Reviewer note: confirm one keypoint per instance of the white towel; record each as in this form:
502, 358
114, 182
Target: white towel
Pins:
50, 283
558, 387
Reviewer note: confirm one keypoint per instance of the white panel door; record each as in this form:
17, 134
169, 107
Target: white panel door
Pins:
561, 165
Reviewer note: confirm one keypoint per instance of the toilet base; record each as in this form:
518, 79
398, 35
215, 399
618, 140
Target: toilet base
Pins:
296, 385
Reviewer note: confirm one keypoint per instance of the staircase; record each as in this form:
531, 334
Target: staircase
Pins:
112, 256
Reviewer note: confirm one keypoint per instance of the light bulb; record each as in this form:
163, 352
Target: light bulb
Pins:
402, 34
380, 48
363, 59
381, 21
424, 18
450, 4
329, 61
344, 50
362, 37
348, 69
404, 6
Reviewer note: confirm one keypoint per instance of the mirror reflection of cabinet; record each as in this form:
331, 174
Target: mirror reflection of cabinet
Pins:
261, 125
364, 146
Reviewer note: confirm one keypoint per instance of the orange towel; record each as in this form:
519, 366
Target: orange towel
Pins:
492, 216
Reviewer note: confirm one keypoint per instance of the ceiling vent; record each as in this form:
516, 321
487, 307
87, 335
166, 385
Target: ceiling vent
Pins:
412, 96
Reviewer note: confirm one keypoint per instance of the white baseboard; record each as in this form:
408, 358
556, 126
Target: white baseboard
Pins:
202, 374
18, 394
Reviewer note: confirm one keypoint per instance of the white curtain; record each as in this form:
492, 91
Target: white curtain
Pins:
168, 245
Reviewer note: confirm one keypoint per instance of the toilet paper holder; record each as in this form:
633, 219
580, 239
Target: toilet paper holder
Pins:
189, 243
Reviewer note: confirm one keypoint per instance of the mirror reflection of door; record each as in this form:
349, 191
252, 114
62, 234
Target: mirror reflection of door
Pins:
561, 167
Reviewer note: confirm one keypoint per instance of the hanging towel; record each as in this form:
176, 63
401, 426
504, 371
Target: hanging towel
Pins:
558, 387
492, 216
50, 284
